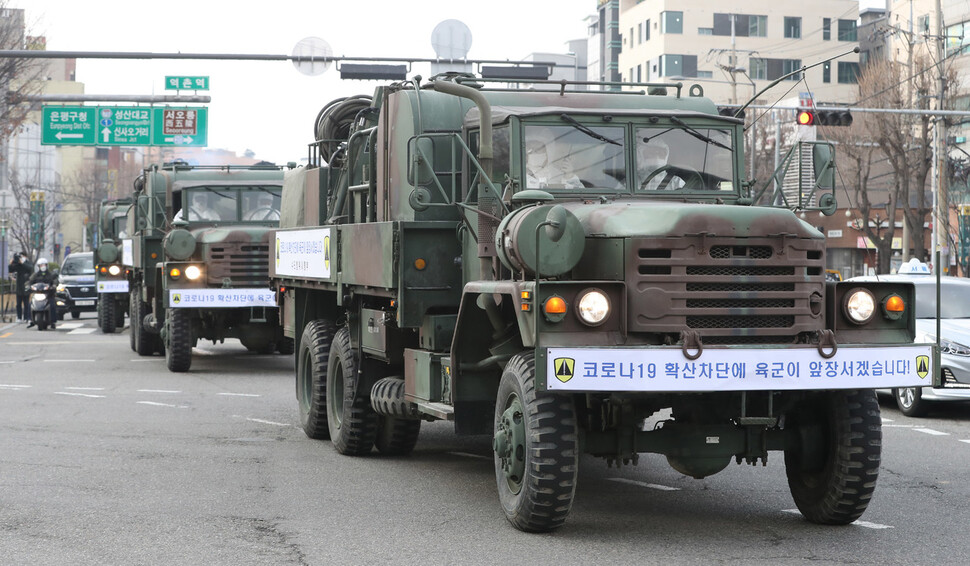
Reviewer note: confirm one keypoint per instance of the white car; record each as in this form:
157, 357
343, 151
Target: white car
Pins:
954, 343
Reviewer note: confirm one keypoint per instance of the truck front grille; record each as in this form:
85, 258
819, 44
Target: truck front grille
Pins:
729, 290
244, 265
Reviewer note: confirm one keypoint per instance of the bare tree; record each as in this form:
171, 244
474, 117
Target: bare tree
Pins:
19, 77
20, 217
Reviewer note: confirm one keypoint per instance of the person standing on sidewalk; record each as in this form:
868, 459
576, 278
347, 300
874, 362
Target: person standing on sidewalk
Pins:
21, 267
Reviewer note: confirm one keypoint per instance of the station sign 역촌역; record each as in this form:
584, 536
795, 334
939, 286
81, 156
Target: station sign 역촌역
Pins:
124, 125
186, 83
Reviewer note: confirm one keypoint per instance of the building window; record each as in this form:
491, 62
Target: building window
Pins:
826, 29
827, 72
923, 24
672, 22
848, 73
705, 74
758, 26
705, 31
678, 65
793, 28
758, 67
790, 66
639, 33
639, 76
631, 37
847, 30
646, 31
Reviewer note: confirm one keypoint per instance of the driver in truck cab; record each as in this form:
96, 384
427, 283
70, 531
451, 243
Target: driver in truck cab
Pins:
653, 154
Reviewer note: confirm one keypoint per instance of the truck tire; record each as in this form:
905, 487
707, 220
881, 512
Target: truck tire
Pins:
178, 351
119, 314
352, 420
286, 346
106, 315
536, 447
832, 469
910, 401
311, 377
143, 343
396, 435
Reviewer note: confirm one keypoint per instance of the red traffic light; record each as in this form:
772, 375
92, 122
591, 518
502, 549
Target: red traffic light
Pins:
805, 118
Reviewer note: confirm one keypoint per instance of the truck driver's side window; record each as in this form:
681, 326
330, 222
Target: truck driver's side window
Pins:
500, 153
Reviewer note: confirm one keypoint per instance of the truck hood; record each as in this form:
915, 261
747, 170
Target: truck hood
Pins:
644, 219
225, 234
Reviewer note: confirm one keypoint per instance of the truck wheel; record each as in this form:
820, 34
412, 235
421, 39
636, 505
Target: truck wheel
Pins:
311, 377
119, 314
286, 346
178, 351
396, 436
536, 447
910, 401
352, 420
141, 341
106, 315
833, 466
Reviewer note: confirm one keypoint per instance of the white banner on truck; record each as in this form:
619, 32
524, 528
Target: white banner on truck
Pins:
127, 258
220, 298
736, 369
112, 286
303, 253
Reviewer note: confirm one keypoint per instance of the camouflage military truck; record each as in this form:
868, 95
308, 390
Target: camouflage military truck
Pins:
580, 273
110, 274
200, 258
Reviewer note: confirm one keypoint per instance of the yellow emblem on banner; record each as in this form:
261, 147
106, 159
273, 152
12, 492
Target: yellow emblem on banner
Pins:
922, 366
564, 368
177, 298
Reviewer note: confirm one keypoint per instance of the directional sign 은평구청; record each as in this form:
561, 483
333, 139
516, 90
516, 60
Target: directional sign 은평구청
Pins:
68, 125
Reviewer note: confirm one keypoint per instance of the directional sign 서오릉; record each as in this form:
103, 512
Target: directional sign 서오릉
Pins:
180, 126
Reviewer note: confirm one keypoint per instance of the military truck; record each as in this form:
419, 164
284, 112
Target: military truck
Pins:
111, 277
200, 258
519, 262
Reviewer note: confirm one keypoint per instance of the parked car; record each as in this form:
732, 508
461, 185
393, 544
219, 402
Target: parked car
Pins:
954, 343
77, 287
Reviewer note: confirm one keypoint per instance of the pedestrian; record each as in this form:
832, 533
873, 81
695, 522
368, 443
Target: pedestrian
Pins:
21, 267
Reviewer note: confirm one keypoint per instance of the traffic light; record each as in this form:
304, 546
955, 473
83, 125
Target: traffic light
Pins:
806, 117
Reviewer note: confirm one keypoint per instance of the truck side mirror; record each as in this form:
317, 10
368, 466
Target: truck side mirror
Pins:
141, 215
823, 159
420, 156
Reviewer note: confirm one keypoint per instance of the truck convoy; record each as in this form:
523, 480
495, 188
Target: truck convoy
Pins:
198, 255
574, 272
109, 270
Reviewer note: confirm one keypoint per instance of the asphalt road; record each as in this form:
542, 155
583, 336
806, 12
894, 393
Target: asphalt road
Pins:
107, 458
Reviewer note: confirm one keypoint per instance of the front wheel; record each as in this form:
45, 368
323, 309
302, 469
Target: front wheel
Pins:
350, 417
910, 401
833, 465
536, 447
106, 315
178, 350
311, 377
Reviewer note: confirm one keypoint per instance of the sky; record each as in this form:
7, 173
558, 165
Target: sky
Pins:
268, 106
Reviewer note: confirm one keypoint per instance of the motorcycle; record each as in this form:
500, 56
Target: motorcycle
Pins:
41, 294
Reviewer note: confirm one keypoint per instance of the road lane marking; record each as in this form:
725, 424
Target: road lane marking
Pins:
238, 394
645, 484
898, 426
85, 388
470, 455
82, 331
71, 325
864, 524
8, 362
261, 421
11, 386
154, 404
931, 432
967, 441
69, 361
147, 360
79, 394
157, 391
885, 420
5, 334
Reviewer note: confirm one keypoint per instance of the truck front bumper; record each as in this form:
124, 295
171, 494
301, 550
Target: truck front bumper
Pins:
675, 370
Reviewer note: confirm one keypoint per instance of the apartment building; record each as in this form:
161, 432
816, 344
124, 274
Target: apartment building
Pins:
734, 54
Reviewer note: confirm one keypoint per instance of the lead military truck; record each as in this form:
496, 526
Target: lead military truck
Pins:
517, 262
109, 270
200, 254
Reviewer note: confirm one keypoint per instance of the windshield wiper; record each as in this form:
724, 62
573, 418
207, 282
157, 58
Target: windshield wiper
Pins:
587, 131
690, 130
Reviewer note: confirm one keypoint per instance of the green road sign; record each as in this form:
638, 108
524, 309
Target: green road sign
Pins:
124, 125
186, 83
180, 126
68, 125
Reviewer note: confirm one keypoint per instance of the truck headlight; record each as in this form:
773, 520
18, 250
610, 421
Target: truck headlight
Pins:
860, 306
114, 269
193, 272
593, 307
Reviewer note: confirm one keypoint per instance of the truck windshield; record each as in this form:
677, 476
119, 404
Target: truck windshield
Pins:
677, 158
567, 157
233, 204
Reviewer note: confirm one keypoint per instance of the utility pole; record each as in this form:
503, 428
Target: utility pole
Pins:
941, 215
